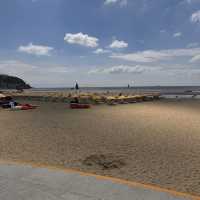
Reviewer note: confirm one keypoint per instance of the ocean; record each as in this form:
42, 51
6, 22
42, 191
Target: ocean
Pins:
169, 91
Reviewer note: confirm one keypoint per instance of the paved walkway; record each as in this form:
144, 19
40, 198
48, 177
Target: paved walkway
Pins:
23, 182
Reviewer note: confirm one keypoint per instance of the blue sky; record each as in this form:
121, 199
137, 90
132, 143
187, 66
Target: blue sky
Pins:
53, 43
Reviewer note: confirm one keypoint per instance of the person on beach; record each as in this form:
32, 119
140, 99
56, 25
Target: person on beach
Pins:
76, 86
75, 99
12, 104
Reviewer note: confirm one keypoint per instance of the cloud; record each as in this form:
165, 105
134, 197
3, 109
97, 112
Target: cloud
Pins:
37, 75
178, 34
15, 67
81, 39
173, 67
147, 68
110, 1
18, 67
163, 31
192, 1
37, 50
101, 51
120, 2
116, 44
192, 45
195, 18
149, 56
195, 58
121, 69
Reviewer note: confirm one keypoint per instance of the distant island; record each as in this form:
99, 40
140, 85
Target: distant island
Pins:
12, 82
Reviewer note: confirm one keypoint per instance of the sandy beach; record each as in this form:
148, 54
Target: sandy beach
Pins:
154, 142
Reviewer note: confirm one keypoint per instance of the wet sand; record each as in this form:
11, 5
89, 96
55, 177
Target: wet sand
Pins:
153, 142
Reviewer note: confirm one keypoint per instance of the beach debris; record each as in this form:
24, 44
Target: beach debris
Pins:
105, 162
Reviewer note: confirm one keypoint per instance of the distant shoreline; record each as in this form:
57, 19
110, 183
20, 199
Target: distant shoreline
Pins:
163, 90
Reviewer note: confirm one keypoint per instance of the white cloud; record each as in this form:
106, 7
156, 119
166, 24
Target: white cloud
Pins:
46, 74
110, 1
101, 51
120, 2
178, 34
51, 75
192, 45
121, 69
155, 56
126, 69
81, 39
163, 31
195, 58
37, 50
116, 44
195, 18
147, 68
17, 67
192, 1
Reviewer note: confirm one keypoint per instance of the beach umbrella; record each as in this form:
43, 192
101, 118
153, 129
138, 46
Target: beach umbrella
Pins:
110, 98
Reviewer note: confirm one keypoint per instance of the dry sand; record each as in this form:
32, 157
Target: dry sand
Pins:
153, 142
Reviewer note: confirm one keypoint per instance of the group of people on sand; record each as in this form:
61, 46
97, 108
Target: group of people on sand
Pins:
7, 102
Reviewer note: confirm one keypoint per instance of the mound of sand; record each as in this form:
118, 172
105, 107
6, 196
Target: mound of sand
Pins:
104, 162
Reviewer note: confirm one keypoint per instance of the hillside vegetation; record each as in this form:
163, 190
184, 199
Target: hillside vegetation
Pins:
11, 82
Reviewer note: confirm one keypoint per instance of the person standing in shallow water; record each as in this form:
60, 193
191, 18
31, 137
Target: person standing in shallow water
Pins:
76, 86
75, 99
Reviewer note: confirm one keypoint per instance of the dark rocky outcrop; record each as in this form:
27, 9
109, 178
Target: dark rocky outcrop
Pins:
11, 82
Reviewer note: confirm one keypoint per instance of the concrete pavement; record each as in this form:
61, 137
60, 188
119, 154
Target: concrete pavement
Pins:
25, 182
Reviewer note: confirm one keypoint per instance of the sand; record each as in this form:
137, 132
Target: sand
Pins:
152, 142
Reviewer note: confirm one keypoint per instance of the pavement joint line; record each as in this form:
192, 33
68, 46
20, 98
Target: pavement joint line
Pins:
101, 177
